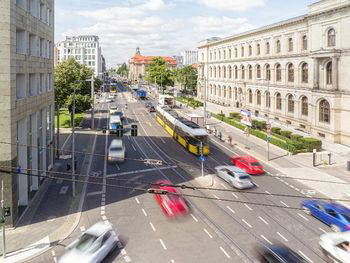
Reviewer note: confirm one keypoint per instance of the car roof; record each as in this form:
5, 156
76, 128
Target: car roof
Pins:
98, 229
335, 206
249, 158
232, 168
116, 142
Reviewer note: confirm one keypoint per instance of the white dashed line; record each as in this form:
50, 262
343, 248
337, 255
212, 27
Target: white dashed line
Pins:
322, 230
283, 203
153, 228
246, 223
297, 189
247, 206
144, 212
137, 200
285, 239
235, 195
229, 208
172, 261
303, 217
123, 251
216, 196
226, 254
54, 256
256, 184
104, 218
102, 212
262, 219
224, 186
206, 231
162, 243
194, 218
308, 259
268, 192
133, 147
53, 253
127, 259
82, 229
63, 190
103, 203
103, 207
286, 183
268, 241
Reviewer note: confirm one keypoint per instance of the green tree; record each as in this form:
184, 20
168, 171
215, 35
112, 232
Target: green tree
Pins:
158, 72
82, 103
187, 77
123, 70
98, 84
70, 74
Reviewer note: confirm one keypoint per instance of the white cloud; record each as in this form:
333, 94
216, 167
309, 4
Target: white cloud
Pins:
232, 5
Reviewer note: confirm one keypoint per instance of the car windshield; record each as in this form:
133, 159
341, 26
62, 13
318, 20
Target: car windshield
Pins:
244, 177
116, 148
256, 164
347, 217
289, 256
230, 173
85, 242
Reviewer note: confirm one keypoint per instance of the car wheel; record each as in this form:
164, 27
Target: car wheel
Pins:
306, 210
335, 228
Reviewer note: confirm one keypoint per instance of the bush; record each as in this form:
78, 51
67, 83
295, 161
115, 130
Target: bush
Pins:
286, 134
276, 130
235, 115
263, 125
296, 137
311, 143
255, 124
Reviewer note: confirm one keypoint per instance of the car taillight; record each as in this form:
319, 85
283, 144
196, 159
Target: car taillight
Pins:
348, 227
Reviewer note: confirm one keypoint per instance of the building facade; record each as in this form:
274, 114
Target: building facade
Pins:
295, 71
138, 65
190, 57
84, 49
179, 61
26, 97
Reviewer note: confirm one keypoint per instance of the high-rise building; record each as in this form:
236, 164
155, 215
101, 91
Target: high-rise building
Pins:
26, 98
84, 49
294, 72
190, 57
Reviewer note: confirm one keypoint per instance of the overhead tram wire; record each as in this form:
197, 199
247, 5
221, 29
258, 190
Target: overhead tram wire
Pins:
182, 186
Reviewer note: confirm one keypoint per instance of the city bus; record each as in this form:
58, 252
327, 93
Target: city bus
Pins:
115, 123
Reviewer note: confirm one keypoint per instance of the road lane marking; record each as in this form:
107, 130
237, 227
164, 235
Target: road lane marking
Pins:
206, 231
224, 186
104, 218
268, 241
194, 218
133, 147
235, 195
153, 228
285, 239
216, 196
137, 200
229, 208
144, 212
256, 184
82, 228
63, 190
247, 206
103, 203
102, 213
307, 258
142, 171
123, 252
162, 243
127, 258
262, 219
283, 203
303, 217
59, 181
226, 254
54, 256
118, 168
322, 230
94, 193
172, 261
268, 192
246, 223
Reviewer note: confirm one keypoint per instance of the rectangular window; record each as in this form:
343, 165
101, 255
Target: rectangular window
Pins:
32, 45
21, 3
41, 47
42, 84
33, 7
48, 44
32, 85
21, 41
49, 82
42, 11
20, 86
48, 18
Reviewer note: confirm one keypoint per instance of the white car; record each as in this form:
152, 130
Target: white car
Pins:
336, 246
92, 246
116, 151
234, 176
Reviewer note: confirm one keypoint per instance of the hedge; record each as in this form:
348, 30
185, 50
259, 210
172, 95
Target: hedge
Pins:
276, 130
286, 134
235, 115
312, 143
296, 137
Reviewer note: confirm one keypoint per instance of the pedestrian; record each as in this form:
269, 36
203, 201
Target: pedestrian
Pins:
229, 139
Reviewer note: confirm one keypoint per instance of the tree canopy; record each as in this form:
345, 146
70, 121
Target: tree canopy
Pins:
123, 70
159, 73
187, 77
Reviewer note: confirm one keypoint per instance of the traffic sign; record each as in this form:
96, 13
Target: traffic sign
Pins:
268, 138
201, 158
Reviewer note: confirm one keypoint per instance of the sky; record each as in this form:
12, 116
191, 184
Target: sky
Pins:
165, 27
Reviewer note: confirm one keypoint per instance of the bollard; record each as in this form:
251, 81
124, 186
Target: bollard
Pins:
329, 158
348, 166
314, 157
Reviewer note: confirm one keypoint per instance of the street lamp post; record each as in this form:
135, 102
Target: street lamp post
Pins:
92, 103
73, 144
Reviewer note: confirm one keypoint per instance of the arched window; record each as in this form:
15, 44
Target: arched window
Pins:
219, 91
211, 56
215, 55
304, 73
258, 97
250, 50
324, 111
219, 72
267, 100
329, 73
236, 72
304, 106
219, 55
331, 37
268, 72
250, 93
258, 72
278, 101
215, 90
214, 72
242, 51
236, 52
229, 72
229, 53
290, 44
290, 103
250, 72
230, 93
278, 72
211, 90
278, 46
224, 54
290, 73
224, 92
242, 73
235, 93
267, 48
304, 40
224, 71
258, 49
211, 72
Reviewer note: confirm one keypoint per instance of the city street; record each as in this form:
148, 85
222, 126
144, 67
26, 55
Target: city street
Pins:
230, 229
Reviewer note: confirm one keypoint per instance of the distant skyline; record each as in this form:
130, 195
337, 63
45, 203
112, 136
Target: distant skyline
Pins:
165, 27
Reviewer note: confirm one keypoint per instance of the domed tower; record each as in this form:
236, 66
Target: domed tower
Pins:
138, 51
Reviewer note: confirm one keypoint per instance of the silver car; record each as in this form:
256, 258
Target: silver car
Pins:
336, 246
234, 176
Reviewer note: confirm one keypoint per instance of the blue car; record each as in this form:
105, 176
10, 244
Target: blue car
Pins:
332, 214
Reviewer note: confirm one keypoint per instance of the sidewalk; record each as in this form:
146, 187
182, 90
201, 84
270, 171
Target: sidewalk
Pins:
331, 181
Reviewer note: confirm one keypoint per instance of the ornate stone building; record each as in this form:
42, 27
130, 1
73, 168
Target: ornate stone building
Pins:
295, 71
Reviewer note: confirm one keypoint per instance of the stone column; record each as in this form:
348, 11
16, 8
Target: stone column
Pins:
335, 73
316, 73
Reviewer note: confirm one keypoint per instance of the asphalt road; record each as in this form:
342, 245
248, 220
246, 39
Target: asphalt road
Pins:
215, 230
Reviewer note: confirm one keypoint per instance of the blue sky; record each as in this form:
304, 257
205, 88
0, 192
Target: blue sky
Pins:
165, 27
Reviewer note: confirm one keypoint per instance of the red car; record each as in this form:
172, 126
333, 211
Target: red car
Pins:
248, 163
171, 204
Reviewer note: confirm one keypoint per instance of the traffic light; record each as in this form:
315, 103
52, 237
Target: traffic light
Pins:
120, 131
134, 130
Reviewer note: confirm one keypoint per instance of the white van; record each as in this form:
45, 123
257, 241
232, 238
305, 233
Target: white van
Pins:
116, 151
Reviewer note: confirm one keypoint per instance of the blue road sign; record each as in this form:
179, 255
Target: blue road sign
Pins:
202, 158
268, 138
18, 169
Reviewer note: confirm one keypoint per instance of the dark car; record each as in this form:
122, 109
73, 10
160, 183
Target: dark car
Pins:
152, 109
278, 254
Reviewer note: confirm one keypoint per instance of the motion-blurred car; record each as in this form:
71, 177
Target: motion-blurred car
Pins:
278, 254
108, 100
152, 109
171, 203
336, 246
333, 214
248, 163
92, 246
234, 176
116, 151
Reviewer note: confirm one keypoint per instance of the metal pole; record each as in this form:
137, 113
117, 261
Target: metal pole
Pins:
92, 103
73, 144
3, 225
58, 133
202, 162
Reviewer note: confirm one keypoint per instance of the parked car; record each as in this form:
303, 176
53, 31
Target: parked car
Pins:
92, 246
336, 246
171, 203
278, 254
234, 176
333, 214
148, 104
116, 151
248, 163
152, 109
